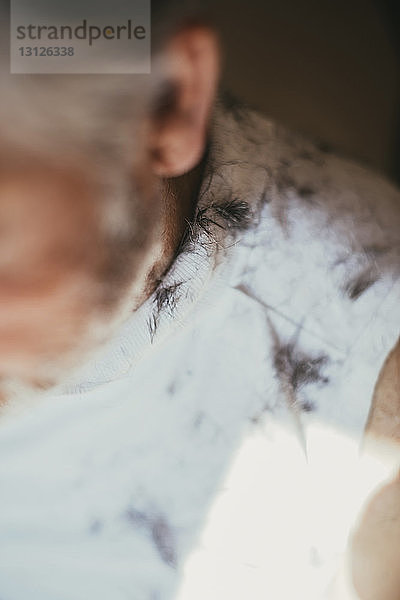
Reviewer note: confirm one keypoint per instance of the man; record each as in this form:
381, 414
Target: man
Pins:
209, 300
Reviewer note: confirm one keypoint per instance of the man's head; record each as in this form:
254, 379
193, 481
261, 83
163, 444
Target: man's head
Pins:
84, 162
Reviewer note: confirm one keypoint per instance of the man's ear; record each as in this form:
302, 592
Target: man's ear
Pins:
178, 126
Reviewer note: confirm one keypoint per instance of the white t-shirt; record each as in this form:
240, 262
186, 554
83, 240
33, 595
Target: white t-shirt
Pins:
210, 450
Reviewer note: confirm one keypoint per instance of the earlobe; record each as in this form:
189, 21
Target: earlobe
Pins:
178, 154
179, 123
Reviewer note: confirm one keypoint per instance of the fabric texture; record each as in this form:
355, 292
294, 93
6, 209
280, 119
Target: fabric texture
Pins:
210, 448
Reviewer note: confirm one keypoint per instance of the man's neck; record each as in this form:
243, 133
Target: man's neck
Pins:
180, 201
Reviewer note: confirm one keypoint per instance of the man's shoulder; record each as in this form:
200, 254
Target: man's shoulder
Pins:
305, 170
320, 256
307, 198
324, 239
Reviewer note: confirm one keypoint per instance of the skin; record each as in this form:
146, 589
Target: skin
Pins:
375, 546
51, 248
371, 570
41, 274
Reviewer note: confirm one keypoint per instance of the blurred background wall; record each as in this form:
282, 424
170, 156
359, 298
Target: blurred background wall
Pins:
327, 68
